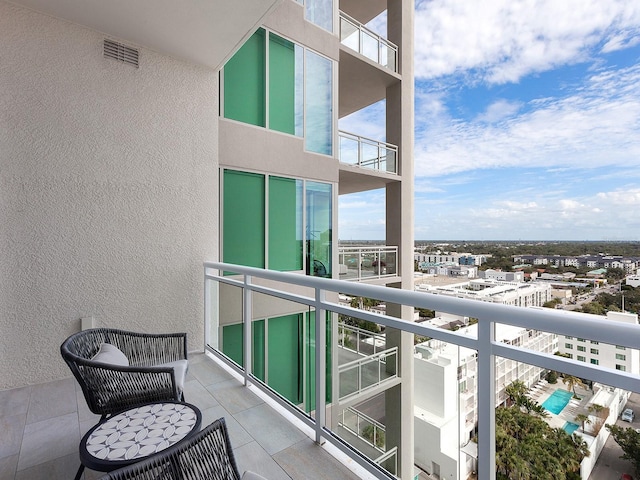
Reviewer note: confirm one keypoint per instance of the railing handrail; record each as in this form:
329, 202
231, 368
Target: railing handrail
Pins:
368, 140
367, 249
561, 322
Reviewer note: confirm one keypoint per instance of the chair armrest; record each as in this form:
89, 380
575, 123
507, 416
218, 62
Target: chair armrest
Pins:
110, 389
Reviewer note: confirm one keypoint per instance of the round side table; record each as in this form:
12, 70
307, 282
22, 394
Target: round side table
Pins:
134, 434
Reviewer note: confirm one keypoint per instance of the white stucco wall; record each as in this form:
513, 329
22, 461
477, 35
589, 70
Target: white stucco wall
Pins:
108, 191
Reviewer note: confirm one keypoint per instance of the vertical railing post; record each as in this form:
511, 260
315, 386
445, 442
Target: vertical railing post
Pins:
247, 309
321, 365
486, 401
207, 311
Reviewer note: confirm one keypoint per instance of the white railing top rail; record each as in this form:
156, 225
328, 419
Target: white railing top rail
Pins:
369, 249
367, 140
562, 322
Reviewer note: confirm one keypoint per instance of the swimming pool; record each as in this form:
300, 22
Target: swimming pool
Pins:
570, 427
557, 401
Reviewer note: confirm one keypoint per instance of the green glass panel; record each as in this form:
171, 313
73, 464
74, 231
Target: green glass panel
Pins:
244, 82
282, 96
284, 356
257, 358
232, 342
243, 219
285, 224
318, 233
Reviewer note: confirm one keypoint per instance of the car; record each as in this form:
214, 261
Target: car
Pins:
627, 415
626, 476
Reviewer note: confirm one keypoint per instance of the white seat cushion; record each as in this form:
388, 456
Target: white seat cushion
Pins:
111, 354
249, 475
180, 369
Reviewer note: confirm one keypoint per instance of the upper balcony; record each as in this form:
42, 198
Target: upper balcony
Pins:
367, 43
368, 66
368, 263
368, 153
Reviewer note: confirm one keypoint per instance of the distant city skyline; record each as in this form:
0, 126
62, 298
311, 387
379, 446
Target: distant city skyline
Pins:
527, 119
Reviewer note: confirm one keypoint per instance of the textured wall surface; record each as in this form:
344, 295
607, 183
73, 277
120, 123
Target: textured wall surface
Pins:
108, 191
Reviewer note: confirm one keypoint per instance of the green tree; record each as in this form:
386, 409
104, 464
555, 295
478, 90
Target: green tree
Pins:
528, 448
629, 441
583, 419
572, 382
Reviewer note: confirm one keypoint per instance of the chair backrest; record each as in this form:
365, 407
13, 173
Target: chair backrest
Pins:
207, 455
110, 388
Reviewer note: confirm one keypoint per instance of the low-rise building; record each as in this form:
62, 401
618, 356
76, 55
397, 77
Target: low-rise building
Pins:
519, 294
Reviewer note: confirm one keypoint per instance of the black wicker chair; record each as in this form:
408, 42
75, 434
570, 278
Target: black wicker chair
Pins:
205, 456
110, 388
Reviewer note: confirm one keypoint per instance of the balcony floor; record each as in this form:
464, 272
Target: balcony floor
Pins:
41, 427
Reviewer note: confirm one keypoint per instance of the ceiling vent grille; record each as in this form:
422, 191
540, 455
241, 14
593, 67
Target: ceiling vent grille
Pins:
121, 52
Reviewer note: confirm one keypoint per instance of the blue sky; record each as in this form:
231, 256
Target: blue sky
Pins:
527, 123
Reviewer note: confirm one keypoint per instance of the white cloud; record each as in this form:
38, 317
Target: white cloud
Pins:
605, 215
499, 110
598, 124
508, 39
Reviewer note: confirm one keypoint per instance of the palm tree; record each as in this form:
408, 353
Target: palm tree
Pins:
516, 390
583, 419
572, 382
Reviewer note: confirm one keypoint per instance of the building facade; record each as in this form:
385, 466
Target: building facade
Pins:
608, 356
145, 139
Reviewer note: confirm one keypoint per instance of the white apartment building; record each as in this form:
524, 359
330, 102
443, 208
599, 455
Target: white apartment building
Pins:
501, 276
509, 293
633, 280
449, 270
445, 396
609, 356
450, 257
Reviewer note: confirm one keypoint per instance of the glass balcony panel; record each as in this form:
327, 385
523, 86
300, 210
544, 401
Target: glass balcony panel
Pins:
349, 150
388, 161
388, 56
370, 156
349, 34
370, 46
368, 262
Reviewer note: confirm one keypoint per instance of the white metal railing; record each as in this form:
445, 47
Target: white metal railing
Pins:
357, 422
356, 36
365, 341
287, 286
364, 373
367, 153
361, 263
